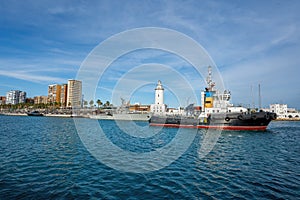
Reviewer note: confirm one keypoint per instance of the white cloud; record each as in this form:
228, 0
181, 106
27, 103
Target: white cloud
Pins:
23, 75
51, 39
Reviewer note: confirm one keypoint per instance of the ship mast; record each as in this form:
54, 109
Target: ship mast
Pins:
259, 97
209, 81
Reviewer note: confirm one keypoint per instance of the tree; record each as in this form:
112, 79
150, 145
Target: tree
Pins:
91, 103
85, 103
99, 102
56, 104
107, 103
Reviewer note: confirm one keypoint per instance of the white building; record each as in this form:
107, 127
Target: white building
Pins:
22, 97
15, 96
279, 109
159, 107
293, 113
176, 111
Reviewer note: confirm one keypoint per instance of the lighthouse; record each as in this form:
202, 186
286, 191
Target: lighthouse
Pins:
159, 94
158, 107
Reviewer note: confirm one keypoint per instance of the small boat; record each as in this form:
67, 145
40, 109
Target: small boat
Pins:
217, 113
35, 113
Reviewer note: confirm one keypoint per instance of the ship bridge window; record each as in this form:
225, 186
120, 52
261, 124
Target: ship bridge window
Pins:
207, 101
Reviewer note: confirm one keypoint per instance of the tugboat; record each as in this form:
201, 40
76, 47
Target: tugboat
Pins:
217, 113
35, 114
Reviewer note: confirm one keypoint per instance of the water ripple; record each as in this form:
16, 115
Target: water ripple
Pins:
43, 158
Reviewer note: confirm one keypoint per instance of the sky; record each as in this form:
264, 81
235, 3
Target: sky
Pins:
251, 42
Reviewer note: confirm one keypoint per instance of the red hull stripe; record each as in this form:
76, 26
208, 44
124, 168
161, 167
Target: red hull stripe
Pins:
238, 128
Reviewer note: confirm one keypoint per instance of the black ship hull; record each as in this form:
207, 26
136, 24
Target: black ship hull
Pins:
257, 121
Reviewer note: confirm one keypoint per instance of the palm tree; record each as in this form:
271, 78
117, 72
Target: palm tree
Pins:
99, 102
85, 103
107, 103
91, 103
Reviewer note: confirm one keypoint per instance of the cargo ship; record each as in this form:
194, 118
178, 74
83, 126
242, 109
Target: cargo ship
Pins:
216, 113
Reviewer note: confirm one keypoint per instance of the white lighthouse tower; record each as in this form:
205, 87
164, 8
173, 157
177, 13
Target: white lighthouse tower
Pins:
159, 107
159, 94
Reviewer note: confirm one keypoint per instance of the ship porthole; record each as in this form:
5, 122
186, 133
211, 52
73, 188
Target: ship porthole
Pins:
227, 119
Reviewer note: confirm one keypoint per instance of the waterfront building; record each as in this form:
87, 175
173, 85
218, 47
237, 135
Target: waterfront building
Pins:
283, 112
40, 99
22, 97
279, 109
74, 94
29, 100
63, 95
2, 100
293, 113
175, 111
54, 92
139, 108
15, 96
158, 107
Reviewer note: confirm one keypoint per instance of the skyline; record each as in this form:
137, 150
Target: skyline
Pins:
252, 43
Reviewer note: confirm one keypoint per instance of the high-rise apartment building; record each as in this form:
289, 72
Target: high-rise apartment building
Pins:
40, 99
12, 97
2, 100
74, 95
22, 97
63, 95
30, 100
15, 96
54, 93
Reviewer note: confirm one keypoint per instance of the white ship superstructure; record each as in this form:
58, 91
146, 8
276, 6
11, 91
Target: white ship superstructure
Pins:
214, 101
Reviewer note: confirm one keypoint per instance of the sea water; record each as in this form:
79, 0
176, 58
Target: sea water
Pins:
45, 158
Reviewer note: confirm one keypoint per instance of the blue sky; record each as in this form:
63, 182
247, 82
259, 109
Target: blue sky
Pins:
251, 42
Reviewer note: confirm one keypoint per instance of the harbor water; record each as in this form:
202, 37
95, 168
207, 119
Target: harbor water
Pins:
44, 158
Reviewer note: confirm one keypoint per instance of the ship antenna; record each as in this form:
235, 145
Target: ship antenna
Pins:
252, 97
209, 81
